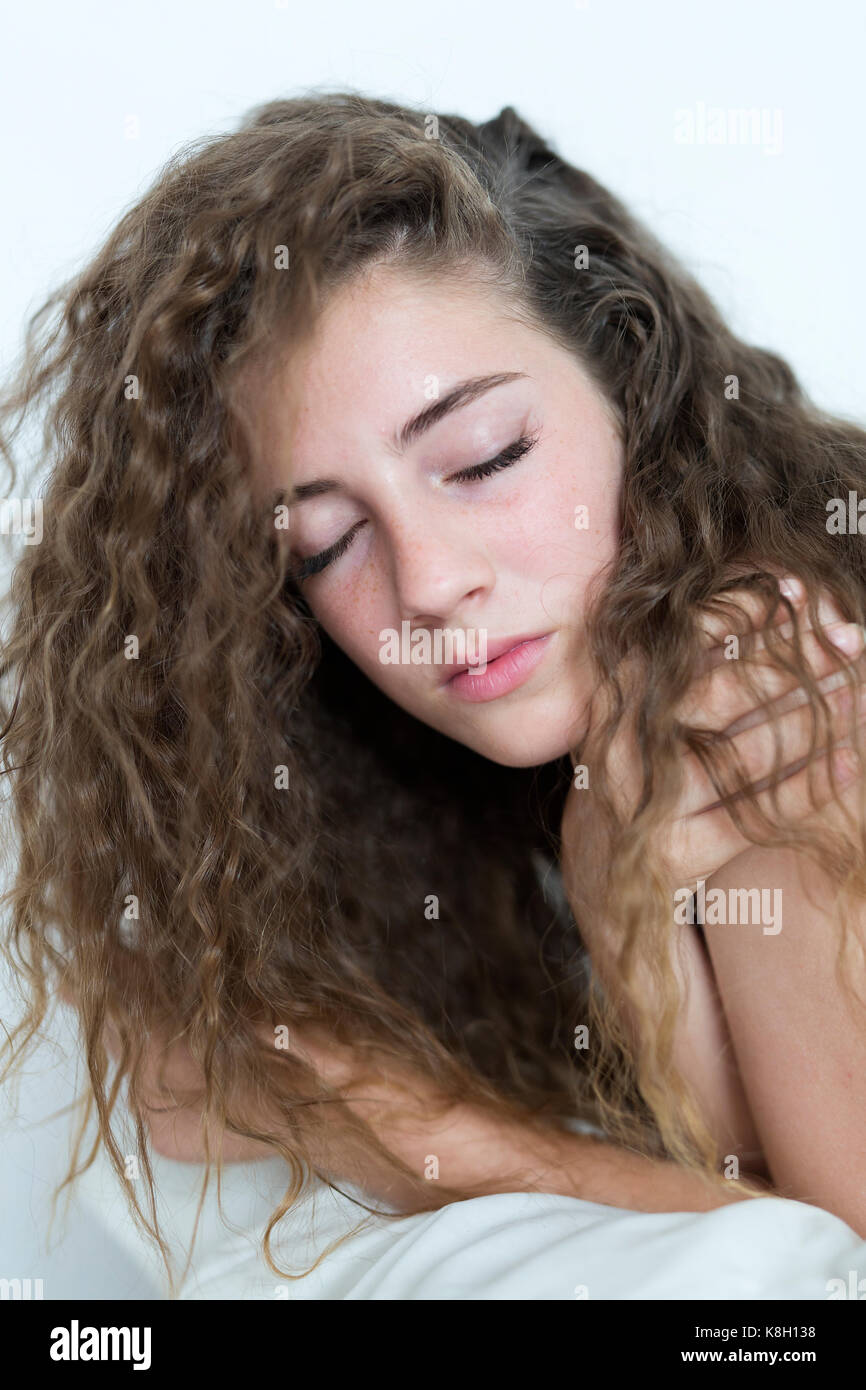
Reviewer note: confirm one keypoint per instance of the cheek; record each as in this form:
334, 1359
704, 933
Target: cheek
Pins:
558, 535
353, 622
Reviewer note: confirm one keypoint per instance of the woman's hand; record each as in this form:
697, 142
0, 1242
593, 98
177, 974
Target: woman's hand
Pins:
174, 1127
701, 838
473, 1149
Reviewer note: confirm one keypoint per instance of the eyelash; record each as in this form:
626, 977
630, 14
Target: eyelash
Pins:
509, 455
316, 563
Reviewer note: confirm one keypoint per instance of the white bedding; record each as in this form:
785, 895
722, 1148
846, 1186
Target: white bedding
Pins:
515, 1246
511, 1246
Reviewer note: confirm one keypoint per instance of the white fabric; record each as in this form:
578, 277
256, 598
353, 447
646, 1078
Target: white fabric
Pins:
515, 1246
511, 1246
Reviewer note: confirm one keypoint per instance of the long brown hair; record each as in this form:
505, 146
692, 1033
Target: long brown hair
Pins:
219, 819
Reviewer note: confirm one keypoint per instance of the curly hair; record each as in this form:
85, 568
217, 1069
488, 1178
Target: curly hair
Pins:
220, 821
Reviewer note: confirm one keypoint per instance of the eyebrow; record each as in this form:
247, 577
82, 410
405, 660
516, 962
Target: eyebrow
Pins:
461, 394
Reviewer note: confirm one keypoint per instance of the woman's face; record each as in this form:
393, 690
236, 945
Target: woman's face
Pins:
431, 572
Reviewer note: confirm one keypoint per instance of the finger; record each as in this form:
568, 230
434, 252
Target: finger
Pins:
766, 639
716, 619
798, 695
824, 785
844, 812
755, 747
721, 697
742, 612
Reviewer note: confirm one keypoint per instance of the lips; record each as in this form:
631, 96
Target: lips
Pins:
494, 651
510, 670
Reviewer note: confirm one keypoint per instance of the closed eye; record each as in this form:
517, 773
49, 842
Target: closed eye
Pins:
316, 563
509, 455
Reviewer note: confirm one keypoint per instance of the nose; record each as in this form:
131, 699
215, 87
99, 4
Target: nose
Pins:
436, 572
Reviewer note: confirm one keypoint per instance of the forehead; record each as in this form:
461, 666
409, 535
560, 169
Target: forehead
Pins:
381, 348
389, 315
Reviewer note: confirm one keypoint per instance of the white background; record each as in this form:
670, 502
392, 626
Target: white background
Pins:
777, 238
775, 234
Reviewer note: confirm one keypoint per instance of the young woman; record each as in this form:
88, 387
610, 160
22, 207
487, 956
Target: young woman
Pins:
347, 388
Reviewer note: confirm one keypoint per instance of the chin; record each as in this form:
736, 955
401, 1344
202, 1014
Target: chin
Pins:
521, 749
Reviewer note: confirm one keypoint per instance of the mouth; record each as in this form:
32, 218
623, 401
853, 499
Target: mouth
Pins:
510, 662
